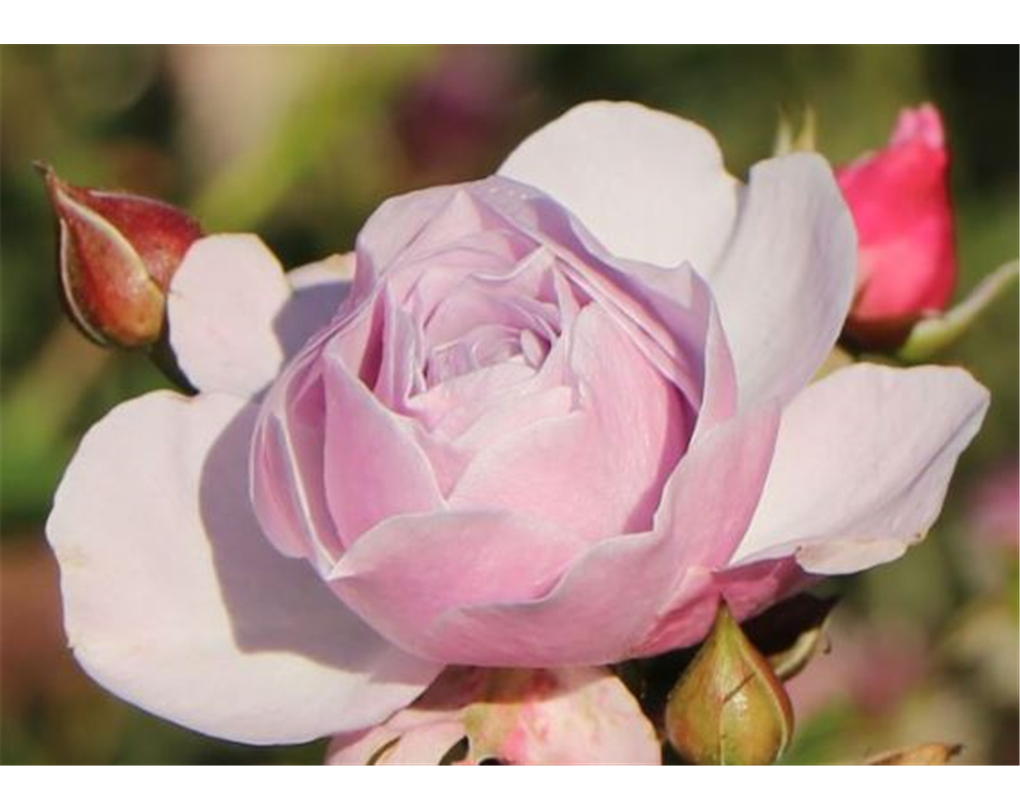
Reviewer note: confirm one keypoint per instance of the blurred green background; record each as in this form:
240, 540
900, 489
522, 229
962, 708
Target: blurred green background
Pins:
301, 144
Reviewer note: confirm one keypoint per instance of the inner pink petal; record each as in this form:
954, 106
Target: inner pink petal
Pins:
374, 468
616, 450
400, 366
287, 485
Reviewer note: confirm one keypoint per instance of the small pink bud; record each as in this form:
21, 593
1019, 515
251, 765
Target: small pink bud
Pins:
118, 252
729, 708
899, 198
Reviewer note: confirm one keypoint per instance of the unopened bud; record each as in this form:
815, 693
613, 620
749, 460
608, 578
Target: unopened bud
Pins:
900, 200
729, 708
117, 254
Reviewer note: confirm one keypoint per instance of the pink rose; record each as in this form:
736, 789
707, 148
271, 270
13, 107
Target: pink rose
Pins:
558, 415
899, 198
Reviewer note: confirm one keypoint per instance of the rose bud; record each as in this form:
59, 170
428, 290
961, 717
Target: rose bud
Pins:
729, 708
899, 198
118, 252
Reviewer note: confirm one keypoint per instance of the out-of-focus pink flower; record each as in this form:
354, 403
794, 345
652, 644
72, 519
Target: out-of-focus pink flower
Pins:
901, 205
559, 414
995, 507
873, 669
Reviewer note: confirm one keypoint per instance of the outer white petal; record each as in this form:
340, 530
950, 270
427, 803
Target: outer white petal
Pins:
786, 280
175, 601
649, 185
222, 306
235, 317
861, 466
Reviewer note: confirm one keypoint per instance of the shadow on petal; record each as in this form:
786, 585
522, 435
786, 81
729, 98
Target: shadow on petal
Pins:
275, 603
309, 309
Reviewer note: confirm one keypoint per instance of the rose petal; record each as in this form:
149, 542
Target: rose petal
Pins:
862, 463
333, 271
288, 451
374, 469
175, 601
401, 347
518, 717
377, 763
748, 590
649, 185
669, 313
426, 745
599, 470
429, 727
577, 716
318, 289
409, 570
785, 282
583, 620
222, 307
411, 227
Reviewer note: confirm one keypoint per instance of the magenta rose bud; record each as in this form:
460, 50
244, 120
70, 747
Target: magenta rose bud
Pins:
117, 254
900, 201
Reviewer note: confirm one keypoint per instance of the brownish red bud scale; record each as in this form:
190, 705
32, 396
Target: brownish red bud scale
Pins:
117, 253
729, 708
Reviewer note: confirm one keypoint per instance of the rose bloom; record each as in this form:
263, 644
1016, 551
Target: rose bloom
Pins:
899, 198
547, 419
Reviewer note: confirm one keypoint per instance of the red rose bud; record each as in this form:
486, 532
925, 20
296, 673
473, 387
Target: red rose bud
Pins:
729, 708
118, 252
899, 198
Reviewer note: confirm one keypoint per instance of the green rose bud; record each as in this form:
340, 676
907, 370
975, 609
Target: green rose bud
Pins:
729, 708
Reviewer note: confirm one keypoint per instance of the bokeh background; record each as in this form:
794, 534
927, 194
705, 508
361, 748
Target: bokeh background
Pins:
301, 144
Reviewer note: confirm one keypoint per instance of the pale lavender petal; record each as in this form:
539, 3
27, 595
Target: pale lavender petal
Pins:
222, 309
373, 468
748, 590
668, 313
862, 464
616, 449
575, 716
408, 571
288, 451
649, 185
785, 282
176, 602
317, 291
426, 745
388, 232
609, 600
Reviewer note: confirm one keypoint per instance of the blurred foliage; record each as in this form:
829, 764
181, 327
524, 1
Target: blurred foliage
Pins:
300, 144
